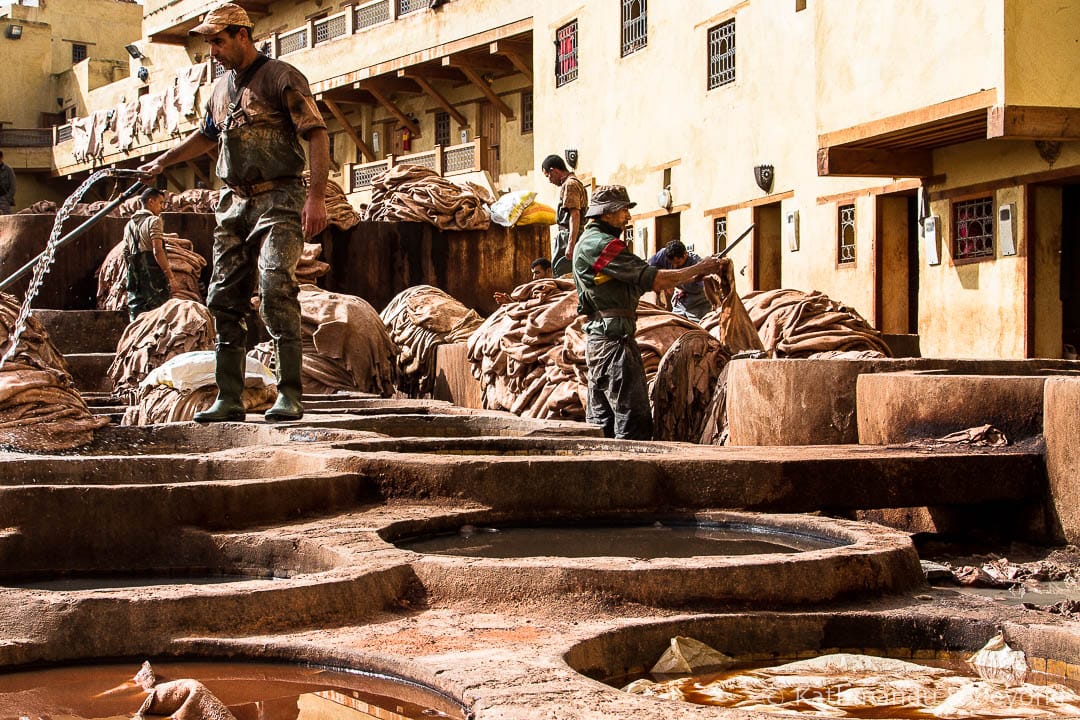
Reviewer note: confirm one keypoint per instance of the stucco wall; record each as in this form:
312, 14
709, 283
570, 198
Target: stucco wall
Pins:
1042, 53
923, 52
27, 93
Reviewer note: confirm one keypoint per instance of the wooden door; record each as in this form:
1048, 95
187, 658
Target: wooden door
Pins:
490, 126
767, 247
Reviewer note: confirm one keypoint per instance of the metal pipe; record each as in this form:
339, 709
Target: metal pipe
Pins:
728, 249
77, 232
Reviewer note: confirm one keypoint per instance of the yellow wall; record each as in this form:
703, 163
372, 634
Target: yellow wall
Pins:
1042, 52
24, 95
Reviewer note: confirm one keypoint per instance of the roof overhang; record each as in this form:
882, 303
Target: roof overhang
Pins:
903, 145
176, 31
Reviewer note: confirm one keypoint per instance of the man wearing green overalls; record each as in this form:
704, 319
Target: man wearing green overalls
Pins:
150, 280
255, 117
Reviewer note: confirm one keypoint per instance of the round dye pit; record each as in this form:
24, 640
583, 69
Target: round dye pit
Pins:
516, 446
708, 559
251, 691
652, 541
763, 640
424, 424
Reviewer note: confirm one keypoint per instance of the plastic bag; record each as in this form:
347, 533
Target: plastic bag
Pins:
537, 214
193, 370
506, 210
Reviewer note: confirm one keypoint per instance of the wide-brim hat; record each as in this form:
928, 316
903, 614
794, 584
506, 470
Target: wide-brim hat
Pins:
607, 199
220, 18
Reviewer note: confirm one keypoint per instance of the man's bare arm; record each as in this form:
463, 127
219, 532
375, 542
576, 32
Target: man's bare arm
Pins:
313, 216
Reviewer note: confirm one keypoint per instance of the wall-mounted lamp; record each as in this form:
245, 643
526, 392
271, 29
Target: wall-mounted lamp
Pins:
143, 74
763, 176
13, 32
134, 52
571, 155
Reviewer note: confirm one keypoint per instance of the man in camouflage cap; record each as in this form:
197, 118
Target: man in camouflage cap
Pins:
610, 280
255, 117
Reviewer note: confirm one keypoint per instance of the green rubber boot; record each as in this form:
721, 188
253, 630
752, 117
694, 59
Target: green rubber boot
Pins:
229, 374
289, 357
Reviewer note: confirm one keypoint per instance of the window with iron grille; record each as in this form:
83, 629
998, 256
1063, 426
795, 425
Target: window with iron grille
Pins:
722, 54
332, 138
635, 33
973, 228
566, 60
78, 52
526, 111
442, 128
845, 234
719, 233
407, 6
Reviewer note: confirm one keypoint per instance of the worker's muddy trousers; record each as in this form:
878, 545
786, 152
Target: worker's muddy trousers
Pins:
618, 395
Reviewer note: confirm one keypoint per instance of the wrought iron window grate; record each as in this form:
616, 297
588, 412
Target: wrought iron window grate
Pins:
719, 226
973, 228
407, 6
442, 128
845, 235
78, 52
634, 26
291, 42
722, 54
566, 59
329, 28
459, 158
527, 111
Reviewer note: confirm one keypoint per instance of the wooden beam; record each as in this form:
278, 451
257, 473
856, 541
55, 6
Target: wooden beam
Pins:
872, 162
199, 173
516, 53
393, 109
482, 85
433, 72
1028, 122
336, 111
439, 99
172, 179
976, 101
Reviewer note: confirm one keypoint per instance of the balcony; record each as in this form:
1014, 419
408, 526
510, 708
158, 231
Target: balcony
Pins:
446, 161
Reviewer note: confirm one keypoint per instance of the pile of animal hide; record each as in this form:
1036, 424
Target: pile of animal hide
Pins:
186, 265
184, 385
529, 355
339, 212
407, 193
40, 410
196, 200
310, 268
797, 324
178, 326
346, 345
419, 319
184, 699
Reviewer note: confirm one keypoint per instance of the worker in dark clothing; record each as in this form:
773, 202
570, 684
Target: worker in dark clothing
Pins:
610, 279
689, 298
572, 202
7, 187
540, 269
150, 280
256, 115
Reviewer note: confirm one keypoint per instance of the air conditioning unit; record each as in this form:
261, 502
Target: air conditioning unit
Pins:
791, 230
931, 232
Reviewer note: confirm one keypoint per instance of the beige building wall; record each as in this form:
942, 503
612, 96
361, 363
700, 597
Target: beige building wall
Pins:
24, 95
1042, 53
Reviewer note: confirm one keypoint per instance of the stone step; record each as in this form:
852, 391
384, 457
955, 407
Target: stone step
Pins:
84, 331
90, 371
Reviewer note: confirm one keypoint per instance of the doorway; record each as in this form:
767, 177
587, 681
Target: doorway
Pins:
1070, 270
667, 229
766, 260
1053, 251
490, 126
896, 264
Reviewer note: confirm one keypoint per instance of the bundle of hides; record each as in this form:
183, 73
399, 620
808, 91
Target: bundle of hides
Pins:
184, 385
310, 268
186, 265
178, 326
529, 355
419, 319
795, 324
41, 207
339, 212
346, 345
185, 699
413, 193
40, 411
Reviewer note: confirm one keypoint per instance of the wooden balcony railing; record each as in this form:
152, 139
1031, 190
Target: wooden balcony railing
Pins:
446, 161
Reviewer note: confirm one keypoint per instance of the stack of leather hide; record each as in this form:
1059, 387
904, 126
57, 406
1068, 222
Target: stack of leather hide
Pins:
40, 410
412, 193
178, 326
797, 324
346, 345
419, 319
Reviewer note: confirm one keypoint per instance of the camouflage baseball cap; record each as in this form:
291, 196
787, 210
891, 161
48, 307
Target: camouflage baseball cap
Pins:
608, 198
222, 17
